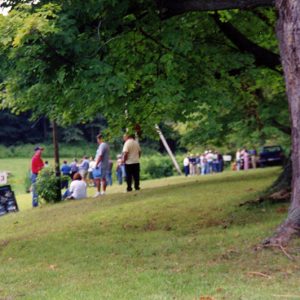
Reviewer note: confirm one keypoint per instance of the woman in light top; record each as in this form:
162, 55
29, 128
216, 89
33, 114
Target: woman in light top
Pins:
77, 188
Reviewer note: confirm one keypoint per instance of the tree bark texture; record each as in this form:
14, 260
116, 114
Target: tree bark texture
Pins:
284, 180
288, 31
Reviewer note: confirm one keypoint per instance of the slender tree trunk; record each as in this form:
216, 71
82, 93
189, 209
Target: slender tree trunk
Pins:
56, 162
45, 129
288, 30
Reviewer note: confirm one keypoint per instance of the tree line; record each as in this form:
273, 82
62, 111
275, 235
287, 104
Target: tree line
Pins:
20, 129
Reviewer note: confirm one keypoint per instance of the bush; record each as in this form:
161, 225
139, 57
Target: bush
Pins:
156, 166
48, 186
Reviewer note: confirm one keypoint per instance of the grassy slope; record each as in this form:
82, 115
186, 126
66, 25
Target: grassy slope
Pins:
179, 238
18, 169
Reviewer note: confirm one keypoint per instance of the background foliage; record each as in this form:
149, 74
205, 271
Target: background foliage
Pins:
70, 62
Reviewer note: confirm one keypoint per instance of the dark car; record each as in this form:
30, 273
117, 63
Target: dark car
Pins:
271, 156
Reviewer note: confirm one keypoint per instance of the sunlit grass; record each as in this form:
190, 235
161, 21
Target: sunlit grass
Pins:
178, 238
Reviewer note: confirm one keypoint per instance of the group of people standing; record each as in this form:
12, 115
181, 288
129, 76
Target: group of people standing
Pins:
99, 170
206, 163
213, 162
244, 159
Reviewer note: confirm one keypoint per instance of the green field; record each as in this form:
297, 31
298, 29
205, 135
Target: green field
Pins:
178, 238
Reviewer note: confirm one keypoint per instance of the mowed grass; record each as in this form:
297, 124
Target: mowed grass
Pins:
178, 238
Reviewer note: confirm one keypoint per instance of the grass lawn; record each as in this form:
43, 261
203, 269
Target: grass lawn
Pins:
178, 238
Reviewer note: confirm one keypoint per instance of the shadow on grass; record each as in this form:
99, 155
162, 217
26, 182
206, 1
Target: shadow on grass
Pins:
168, 215
168, 207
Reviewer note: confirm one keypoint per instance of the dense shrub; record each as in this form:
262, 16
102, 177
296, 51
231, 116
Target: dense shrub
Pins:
156, 166
48, 186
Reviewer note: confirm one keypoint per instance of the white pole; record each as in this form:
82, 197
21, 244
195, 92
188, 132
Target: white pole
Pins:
168, 149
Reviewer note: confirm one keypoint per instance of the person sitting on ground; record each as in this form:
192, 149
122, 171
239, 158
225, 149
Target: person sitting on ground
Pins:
77, 188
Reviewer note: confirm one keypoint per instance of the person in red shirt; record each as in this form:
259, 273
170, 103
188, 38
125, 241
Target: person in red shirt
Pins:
37, 165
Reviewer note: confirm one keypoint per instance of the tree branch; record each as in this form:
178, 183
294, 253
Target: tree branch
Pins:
285, 129
263, 57
170, 8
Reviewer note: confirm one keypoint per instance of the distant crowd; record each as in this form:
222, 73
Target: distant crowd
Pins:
245, 159
206, 163
210, 162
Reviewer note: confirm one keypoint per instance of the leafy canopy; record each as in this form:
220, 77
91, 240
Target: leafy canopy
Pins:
71, 61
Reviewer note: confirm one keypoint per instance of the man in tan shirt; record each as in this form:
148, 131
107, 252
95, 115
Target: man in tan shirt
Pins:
131, 158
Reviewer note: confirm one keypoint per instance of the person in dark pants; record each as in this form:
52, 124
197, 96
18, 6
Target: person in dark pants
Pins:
37, 165
66, 171
131, 158
119, 169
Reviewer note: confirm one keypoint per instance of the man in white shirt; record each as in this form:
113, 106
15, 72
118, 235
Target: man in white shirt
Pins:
131, 158
186, 166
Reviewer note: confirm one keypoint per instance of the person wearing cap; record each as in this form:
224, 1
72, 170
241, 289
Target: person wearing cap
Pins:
37, 165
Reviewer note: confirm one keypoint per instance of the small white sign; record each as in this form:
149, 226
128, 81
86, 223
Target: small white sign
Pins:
3, 178
227, 157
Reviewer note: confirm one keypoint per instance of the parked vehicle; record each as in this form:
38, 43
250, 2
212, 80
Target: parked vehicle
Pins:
271, 156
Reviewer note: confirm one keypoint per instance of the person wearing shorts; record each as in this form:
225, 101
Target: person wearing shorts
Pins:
101, 166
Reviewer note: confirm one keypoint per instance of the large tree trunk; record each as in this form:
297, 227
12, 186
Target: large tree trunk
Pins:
284, 181
288, 30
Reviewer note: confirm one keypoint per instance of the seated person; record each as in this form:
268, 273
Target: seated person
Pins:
77, 188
